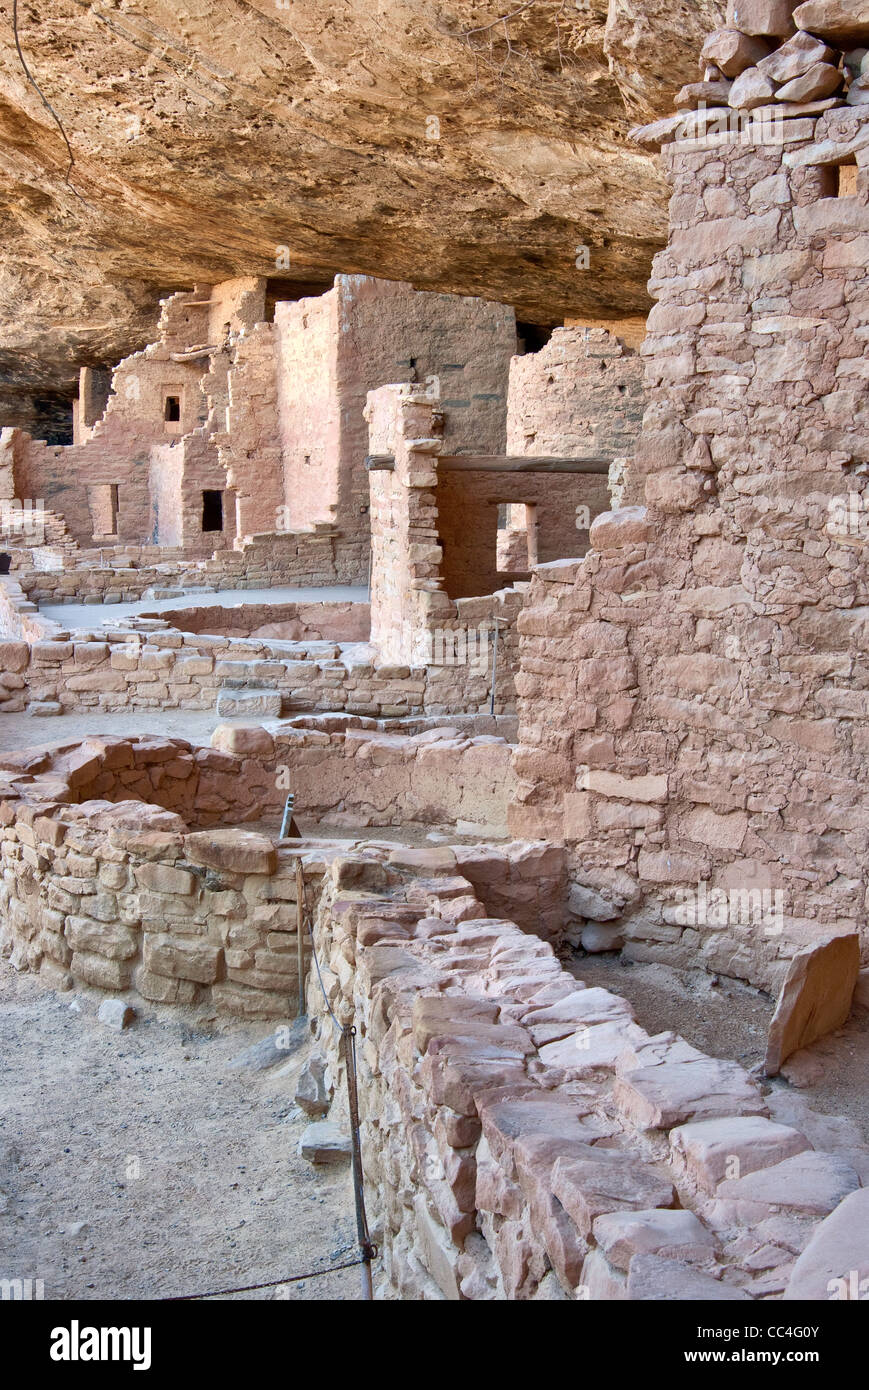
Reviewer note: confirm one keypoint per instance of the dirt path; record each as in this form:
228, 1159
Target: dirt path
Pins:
138, 1165
730, 1020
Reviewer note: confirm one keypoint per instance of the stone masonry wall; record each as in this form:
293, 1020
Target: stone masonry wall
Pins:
308, 408
117, 574
102, 880
134, 669
523, 1138
413, 619
357, 774
117, 448
694, 693
360, 335
581, 394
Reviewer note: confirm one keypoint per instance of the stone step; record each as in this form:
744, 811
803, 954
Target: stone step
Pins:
233, 702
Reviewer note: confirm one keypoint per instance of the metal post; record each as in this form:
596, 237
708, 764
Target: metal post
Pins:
494, 667
288, 814
300, 934
365, 1246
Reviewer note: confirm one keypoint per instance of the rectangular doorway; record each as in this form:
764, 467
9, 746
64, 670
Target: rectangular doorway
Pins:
212, 510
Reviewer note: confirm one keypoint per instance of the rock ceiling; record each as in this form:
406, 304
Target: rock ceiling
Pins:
206, 134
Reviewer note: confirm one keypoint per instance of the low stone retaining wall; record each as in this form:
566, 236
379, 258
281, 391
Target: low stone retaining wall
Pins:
102, 885
524, 1138
125, 574
292, 622
115, 869
104, 669
361, 777
19, 617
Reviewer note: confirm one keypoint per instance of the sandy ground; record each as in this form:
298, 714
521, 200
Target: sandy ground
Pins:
730, 1020
26, 731
89, 615
138, 1165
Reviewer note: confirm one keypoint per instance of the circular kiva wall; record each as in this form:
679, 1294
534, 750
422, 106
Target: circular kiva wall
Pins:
120, 870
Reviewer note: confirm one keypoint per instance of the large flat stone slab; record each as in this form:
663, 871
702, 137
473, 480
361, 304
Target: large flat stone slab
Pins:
235, 704
236, 851
583, 1008
590, 1047
810, 1182
815, 998
709, 1151
672, 1093
843, 22
669, 1231
835, 1263
323, 1142
437, 1014
606, 1181
654, 1278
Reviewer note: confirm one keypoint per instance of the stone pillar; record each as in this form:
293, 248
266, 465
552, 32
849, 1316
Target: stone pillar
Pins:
407, 595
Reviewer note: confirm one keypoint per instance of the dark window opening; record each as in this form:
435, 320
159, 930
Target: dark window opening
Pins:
837, 180
212, 510
531, 337
284, 289
172, 409
52, 419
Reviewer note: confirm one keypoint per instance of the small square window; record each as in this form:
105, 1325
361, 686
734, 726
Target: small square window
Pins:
172, 409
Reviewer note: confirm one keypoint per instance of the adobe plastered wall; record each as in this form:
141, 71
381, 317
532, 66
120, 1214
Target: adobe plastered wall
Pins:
346, 771
234, 306
309, 408
581, 394
360, 335
693, 694
248, 442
